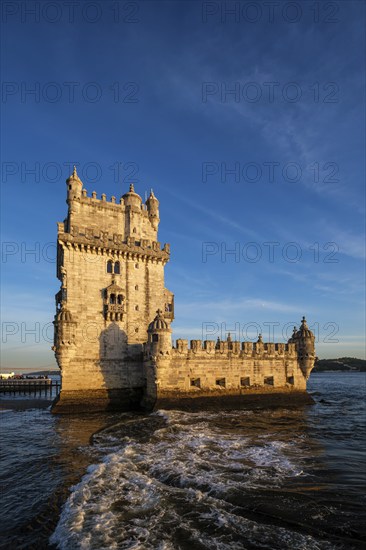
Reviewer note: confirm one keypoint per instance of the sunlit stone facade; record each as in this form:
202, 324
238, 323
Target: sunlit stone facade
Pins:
113, 313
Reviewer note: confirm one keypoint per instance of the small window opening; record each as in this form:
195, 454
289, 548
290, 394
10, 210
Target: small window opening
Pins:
245, 381
155, 337
109, 266
290, 380
117, 268
268, 380
112, 299
119, 299
196, 382
221, 382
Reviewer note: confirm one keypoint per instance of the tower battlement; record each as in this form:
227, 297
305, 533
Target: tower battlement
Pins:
228, 347
129, 217
104, 202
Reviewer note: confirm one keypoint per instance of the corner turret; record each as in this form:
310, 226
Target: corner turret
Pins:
159, 336
152, 205
305, 345
64, 330
132, 199
74, 187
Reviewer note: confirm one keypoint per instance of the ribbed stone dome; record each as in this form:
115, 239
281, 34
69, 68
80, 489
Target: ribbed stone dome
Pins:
304, 331
158, 323
64, 316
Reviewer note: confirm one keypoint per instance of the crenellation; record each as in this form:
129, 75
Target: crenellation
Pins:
247, 348
209, 346
235, 348
267, 351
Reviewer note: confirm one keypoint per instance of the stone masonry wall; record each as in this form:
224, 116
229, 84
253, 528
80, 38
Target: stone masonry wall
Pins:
203, 371
104, 353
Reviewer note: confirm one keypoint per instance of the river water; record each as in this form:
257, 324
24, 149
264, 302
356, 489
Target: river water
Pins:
285, 478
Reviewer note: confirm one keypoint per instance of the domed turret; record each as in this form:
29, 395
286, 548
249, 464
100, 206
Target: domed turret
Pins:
74, 186
64, 329
159, 339
64, 316
304, 331
159, 323
132, 199
152, 205
305, 345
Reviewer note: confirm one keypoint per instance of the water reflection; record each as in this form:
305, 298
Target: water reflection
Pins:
281, 478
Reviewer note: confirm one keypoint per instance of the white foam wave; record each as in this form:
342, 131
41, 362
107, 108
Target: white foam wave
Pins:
173, 487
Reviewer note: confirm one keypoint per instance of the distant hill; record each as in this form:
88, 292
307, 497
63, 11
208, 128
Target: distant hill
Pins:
341, 364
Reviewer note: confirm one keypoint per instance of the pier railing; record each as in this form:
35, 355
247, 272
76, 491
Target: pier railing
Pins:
30, 385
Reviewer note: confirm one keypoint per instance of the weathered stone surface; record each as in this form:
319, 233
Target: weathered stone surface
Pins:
229, 400
70, 402
111, 346
111, 269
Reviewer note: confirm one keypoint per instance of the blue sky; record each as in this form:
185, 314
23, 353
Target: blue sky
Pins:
250, 128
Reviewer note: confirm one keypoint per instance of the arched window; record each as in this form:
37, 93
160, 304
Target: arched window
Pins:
119, 299
112, 299
109, 266
117, 268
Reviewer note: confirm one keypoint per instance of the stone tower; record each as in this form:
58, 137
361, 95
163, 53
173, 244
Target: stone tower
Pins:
111, 268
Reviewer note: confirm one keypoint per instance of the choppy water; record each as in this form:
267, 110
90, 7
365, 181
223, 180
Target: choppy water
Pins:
274, 479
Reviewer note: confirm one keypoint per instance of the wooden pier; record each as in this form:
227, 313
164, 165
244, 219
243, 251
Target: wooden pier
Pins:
30, 386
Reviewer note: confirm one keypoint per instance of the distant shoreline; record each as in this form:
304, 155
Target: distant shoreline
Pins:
335, 371
341, 364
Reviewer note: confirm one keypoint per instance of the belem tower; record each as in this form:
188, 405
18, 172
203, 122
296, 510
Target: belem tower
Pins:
113, 339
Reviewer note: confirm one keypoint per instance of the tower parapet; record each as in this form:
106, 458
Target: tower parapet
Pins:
130, 215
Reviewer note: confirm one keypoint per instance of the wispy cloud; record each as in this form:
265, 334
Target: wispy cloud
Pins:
230, 307
216, 216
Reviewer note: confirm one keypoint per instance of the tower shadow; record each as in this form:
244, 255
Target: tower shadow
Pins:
121, 370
